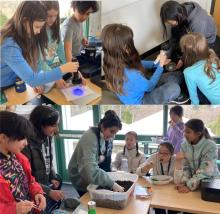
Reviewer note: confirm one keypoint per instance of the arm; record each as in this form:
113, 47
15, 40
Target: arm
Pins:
192, 87
145, 167
61, 53
15, 60
68, 40
88, 165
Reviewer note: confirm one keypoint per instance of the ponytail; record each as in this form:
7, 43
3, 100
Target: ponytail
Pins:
206, 133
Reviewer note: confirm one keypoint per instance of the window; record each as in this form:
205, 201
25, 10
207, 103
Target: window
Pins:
145, 120
209, 114
77, 117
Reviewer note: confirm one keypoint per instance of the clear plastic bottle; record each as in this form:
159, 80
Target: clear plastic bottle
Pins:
124, 164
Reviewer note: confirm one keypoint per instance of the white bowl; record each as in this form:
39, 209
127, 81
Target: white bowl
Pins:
161, 179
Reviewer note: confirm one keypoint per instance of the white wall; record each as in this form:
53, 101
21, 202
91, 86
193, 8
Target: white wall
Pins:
143, 16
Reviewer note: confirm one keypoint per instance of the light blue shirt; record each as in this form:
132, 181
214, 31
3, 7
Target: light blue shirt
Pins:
195, 76
13, 64
136, 84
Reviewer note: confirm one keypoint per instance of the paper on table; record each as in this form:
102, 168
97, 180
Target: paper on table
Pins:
76, 92
142, 192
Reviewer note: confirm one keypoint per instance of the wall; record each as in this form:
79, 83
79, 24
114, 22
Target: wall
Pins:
143, 16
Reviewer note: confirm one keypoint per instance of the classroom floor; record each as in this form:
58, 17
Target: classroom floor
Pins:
109, 97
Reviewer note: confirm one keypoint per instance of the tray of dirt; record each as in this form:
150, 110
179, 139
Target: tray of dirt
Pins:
105, 197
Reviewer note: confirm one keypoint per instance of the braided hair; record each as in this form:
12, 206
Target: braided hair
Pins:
134, 134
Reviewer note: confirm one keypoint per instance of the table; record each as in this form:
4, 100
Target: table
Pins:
166, 197
135, 205
57, 96
54, 95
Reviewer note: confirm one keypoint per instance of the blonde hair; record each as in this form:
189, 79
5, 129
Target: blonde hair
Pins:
195, 48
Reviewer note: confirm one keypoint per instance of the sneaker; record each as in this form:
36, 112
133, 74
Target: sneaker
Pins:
182, 99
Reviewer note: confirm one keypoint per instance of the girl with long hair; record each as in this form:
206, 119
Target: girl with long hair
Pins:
125, 72
196, 159
202, 72
130, 152
184, 18
23, 39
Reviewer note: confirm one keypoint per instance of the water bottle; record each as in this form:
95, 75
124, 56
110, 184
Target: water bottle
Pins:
20, 85
124, 164
91, 207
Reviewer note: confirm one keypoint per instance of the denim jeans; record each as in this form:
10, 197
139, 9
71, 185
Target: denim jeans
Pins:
167, 89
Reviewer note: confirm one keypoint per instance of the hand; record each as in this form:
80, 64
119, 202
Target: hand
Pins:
179, 64
39, 89
69, 67
85, 42
180, 156
182, 188
163, 59
172, 123
24, 207
40, 201
82, 78
147, 167
61, 84
55, 183
117, 188
56, 195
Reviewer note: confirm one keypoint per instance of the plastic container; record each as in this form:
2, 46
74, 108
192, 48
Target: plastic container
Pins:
110, 199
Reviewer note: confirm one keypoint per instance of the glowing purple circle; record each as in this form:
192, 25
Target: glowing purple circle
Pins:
78, 92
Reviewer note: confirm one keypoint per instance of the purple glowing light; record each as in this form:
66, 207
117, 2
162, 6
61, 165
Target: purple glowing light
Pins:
78, 92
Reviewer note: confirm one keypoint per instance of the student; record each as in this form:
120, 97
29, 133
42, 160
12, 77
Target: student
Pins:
197, 159
84, 164
72, 28
23, 39
184, 18
202, 74
19, 193
176, 128
45, 121
134, 157
124, 71
161, 163
54, 53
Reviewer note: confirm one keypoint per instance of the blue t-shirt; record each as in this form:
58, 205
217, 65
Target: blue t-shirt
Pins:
13, 64
136, 84
195, 76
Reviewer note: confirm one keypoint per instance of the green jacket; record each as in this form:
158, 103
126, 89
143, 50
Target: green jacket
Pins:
83, 167
200, 163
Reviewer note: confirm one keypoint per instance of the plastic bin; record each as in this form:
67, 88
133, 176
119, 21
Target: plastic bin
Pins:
110, 199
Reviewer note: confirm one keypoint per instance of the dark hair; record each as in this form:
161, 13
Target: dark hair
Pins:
84, 6
43, 116
134, 134
119, 53
168, 145
14, 126
197, 125
33, 11
178, 110
49, 5
172, 10
110, 119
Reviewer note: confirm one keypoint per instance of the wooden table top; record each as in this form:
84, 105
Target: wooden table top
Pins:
167, 197
55, 95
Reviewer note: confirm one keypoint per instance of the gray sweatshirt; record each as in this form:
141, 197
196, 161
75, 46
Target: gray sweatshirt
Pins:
83, 167
199, 21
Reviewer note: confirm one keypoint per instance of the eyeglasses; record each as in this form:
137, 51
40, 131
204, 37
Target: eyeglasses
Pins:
164, 153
